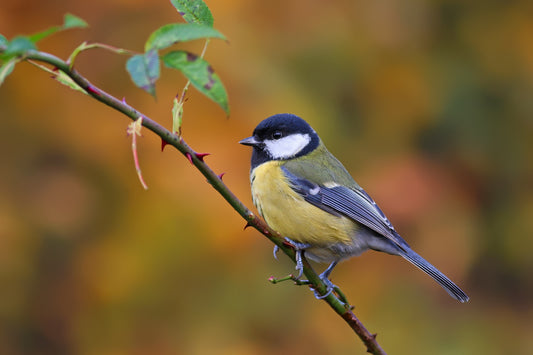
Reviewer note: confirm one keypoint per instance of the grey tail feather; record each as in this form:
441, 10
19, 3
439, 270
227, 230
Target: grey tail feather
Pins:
432, 271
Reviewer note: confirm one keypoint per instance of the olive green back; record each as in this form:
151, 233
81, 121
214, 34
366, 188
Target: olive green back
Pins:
321, 167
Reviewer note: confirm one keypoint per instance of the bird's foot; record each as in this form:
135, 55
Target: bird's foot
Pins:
299, 248
330, 287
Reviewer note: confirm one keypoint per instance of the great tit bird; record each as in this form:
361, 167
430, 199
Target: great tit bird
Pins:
303, 192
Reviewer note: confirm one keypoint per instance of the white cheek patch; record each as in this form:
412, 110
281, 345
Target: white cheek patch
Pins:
287, 147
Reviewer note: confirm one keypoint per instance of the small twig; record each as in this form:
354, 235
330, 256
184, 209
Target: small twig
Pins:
134, 129
297, 281
85, 46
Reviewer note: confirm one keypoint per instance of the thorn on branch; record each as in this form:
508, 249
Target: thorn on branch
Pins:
247, 225
221, 175
163, 144
201, 156
189, 157
373, 339
91, 90
55, 72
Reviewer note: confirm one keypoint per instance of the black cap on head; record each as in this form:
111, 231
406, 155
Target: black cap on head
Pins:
284, 122
276, 127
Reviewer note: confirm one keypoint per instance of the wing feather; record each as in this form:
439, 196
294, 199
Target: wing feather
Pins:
353, 203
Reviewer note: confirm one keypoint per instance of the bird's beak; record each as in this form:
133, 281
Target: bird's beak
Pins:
251, 141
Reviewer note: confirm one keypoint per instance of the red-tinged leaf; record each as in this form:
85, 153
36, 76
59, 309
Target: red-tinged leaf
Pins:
201, 75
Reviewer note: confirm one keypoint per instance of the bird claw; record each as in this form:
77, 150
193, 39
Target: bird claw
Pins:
275, 252
318, 296
299, 264
299, 248
330, 287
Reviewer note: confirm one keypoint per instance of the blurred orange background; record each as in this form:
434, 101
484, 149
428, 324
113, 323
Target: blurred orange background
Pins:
428, 104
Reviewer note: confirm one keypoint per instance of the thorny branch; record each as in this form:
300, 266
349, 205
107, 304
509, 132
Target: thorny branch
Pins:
197, 159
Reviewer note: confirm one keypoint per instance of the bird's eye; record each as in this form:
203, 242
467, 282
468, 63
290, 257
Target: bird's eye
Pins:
277, 135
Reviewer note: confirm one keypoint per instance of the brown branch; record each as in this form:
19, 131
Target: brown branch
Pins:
169, 138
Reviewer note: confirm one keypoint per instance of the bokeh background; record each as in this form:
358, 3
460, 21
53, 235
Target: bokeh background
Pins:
428, 103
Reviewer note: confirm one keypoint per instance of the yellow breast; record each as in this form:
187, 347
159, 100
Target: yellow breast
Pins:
288, 213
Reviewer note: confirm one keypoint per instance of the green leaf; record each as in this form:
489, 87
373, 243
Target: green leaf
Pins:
170, 34
144, 70
17, 46
64, 79
71, 21
7, 68
61, 77
200, 74
194, 11
3, 41
43, 34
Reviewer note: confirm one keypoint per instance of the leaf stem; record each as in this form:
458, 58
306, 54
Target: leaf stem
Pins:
176, 126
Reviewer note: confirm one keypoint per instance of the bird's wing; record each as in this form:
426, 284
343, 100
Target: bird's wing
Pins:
353, 203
